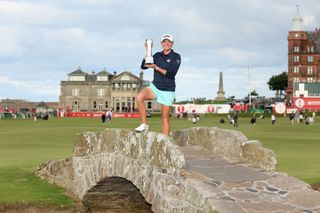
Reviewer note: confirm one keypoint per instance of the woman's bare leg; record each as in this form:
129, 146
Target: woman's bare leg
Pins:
165, 119
144, 94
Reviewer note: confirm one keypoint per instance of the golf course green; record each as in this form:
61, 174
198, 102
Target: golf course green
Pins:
25, 144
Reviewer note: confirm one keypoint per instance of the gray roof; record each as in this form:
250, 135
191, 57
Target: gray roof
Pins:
42, 105
78, 72
126, 72
103, 73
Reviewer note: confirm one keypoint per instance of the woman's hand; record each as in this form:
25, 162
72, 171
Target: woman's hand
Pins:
153, 66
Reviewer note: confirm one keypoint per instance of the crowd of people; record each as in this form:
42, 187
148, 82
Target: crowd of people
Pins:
294, 118
298, 118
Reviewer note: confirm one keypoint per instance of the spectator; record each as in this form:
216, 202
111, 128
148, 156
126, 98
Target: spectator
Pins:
301, 117
109, 115
103, 118
291, 118
194, 118
273, 119
235, 120
253, 120
229, 118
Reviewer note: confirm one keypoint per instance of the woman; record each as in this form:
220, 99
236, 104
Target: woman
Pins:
162, 89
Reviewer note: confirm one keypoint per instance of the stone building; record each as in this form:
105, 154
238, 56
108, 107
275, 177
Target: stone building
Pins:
303, 60
101, 91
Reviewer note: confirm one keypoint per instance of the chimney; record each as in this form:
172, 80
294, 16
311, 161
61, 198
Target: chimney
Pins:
141, 75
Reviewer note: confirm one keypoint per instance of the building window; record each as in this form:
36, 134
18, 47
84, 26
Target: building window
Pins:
310, 58
100, 92
296, 69
149, 105
75, 92
295, 79
309, 79
129, 104
133, 103
296, 58
102, 78
309, 49
75, 107
296, 49
134, 86
100, 106
116, 85
309, 70
123, 104
107, 104
94, 105
117, 104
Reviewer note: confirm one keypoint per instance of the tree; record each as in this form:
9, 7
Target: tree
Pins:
254, 93
278, 83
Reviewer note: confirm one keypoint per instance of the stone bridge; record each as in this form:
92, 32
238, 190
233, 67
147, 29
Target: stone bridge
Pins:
194, 170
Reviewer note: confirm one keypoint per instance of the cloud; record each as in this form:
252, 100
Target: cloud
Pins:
18, 89
42, 41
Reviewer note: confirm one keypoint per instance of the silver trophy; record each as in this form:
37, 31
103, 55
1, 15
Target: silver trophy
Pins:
148, 58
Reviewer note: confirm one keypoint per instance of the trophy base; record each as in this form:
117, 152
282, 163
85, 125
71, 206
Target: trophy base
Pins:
149, 60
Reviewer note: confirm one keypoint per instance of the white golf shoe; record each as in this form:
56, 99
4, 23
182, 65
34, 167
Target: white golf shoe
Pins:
141, 128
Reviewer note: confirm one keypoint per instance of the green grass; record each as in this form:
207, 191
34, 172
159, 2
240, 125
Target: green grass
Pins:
20, 186
25, 144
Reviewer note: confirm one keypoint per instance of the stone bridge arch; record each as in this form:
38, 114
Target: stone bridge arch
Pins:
115, 194
151, 161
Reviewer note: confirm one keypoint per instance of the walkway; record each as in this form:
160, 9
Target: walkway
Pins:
238, 188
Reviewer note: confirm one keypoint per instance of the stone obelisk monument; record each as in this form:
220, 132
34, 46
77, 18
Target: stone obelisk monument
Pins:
220, 93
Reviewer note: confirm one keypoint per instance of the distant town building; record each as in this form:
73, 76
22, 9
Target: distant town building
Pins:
303, 61
24, 106
101, 91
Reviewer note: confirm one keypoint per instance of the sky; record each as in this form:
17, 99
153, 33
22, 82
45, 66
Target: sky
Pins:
42, 41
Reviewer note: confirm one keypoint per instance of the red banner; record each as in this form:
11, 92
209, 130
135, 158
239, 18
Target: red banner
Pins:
237, 107
98, 115
306, 103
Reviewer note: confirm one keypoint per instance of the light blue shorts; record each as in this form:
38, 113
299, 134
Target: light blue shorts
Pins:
162, 97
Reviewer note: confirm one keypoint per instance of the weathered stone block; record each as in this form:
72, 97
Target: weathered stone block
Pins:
255, 154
